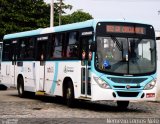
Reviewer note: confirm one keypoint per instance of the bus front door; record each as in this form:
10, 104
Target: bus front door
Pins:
85, 67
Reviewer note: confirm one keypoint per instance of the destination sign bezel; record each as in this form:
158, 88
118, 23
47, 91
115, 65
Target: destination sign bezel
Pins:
125, 29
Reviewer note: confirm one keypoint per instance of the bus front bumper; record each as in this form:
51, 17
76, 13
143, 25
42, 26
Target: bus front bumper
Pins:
99, 93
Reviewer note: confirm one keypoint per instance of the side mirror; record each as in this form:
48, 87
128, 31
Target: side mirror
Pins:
93, 47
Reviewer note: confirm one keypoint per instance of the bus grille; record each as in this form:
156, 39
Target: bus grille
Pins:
127, 94
134, 87
127, 80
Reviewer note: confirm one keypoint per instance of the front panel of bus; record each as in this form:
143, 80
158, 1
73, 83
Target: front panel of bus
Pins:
125, 62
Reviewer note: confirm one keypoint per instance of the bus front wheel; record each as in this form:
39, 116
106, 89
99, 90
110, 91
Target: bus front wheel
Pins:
122, 104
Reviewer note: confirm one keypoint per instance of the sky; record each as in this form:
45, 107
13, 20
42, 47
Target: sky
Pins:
134, 10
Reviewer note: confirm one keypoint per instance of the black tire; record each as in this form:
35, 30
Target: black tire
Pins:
122, 104
3, 87
69, 95
20, 87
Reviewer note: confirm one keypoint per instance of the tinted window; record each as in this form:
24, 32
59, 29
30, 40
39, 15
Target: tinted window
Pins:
73, 45
59, 39
26, 48
7, 50
42, 47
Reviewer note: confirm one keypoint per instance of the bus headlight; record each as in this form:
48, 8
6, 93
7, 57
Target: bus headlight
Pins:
102, 83
150, 85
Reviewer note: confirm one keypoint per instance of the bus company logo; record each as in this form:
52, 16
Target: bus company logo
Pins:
50, 70
128, 86
68, 69
65, 69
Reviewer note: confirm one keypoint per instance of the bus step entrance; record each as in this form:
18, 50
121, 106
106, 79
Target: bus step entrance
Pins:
40, 93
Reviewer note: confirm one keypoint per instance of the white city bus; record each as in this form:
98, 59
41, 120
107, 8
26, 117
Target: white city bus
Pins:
92, 60
157, 33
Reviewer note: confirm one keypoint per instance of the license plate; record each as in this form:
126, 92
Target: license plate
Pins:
149, 95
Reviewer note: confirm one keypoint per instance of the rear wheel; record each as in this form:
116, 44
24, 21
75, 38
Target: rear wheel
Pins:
3, 87
122, 104
20, 87
69, 95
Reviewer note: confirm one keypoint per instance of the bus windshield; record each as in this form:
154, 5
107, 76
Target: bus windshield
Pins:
122, 55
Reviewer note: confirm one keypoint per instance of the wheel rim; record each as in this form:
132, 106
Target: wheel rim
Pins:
20, 89
68, 93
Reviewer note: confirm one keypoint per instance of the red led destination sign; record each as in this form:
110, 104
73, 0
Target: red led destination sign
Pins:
125, 29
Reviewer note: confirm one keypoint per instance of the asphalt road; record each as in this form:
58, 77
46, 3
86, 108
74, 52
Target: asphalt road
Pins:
48, 110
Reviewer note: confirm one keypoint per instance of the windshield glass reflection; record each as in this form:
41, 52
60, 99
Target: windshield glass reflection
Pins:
125, 55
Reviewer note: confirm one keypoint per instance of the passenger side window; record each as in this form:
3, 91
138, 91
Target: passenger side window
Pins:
42, 47
73, 45
7, 51
58, 46
26, 48
29, 49
64, 45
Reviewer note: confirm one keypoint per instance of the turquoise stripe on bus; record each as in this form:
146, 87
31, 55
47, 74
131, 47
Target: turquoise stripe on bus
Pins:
22, 34
55, 78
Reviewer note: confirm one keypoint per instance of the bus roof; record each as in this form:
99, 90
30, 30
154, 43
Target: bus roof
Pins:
79, 25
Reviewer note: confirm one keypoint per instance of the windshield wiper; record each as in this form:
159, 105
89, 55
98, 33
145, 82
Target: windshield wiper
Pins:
119, 45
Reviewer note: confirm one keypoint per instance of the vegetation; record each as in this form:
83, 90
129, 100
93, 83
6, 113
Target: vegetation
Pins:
22, 15
77, 16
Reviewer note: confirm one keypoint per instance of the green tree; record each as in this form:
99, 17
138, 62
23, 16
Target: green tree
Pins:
62, 6
22, 15
59, 10
77, 16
